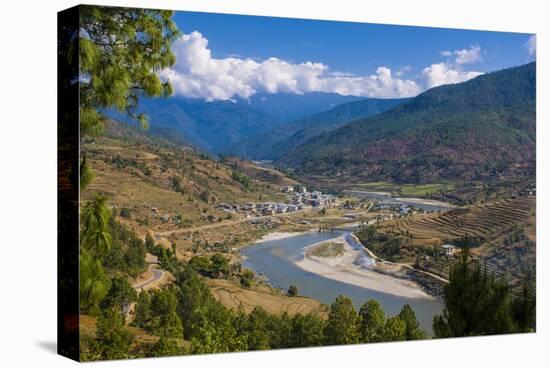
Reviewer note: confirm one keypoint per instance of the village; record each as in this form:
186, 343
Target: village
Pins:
299, 200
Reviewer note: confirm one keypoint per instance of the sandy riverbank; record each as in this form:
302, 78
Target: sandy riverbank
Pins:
381, 193
354, 267
278, 236
426, 202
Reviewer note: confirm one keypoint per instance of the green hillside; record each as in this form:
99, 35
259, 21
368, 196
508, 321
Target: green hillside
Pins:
473, 130
275, 142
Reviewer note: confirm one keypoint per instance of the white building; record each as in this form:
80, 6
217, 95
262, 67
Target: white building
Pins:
449, 249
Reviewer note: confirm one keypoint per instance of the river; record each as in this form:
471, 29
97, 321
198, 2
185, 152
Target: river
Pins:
274, 258
383, 197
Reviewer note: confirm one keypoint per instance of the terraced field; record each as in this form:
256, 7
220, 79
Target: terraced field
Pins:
235, 297
487, 221
505, 229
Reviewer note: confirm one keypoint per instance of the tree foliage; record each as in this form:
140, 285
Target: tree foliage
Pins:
113, 339
165, 347
94, 284
476, 302
86, 174
395, 329
292, 291
143, 310
120, 50
371, 322
164, 319
95, 237
307, 331
412, 327
121, 294
341, 327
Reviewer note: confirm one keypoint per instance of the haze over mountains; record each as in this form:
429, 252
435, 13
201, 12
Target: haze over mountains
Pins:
217, 126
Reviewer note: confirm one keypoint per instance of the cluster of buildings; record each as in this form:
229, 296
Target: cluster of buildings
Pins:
314, 198
300, 199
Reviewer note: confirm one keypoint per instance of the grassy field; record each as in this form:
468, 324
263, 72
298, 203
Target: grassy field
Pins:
231, 295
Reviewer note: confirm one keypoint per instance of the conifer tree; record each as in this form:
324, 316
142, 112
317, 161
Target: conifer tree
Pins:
95, 237
120, 51
113, 339
341, 326
371, 322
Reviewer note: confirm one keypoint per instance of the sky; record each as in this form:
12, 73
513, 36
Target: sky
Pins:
222, 57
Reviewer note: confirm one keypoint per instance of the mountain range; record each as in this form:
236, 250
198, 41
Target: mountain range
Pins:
217, 126
472, 130
272, 144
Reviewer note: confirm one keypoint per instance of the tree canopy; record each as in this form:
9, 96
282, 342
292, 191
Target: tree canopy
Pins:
120, 51
341, 327
480, 303
371, 324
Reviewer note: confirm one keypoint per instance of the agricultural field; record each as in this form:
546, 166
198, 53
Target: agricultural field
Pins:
257, 172
483, 221
231, 295
155, 186
503, 232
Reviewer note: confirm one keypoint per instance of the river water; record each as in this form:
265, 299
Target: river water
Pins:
275, 260
430, 206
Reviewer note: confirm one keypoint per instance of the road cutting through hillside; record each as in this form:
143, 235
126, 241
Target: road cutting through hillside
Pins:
158, 274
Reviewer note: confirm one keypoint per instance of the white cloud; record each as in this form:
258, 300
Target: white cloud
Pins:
468, 56
445, 73
198, 74
402, 71
451, 71
531, 46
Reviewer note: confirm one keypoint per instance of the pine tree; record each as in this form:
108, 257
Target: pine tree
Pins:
341, 327
143, 310
120, 50
371, 322
476, 302
412, 328
95, 236
94, 284
165, 347
120, 295
395, 329
113, 339
165, 319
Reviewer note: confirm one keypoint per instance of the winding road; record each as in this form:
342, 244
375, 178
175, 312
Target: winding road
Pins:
158, 274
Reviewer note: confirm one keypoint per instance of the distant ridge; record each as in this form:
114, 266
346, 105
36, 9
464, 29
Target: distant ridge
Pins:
273, 143
216, 126
472, 130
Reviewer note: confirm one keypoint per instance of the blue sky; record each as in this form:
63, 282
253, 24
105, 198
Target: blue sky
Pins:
229, 51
